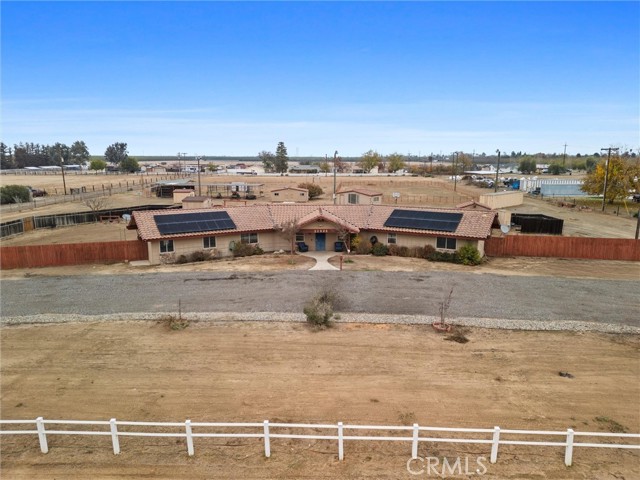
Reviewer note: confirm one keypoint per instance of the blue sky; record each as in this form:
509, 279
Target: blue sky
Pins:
218, 78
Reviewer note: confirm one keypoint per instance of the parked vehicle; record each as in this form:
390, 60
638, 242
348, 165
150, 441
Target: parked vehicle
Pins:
36, 192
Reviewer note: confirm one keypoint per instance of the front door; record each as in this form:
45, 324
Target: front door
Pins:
321, 240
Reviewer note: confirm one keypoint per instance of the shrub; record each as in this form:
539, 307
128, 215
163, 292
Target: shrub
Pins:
14, 194
469, 255
182, 259
200, 256
246, 250
364, 247
379, 249
427, 251
392, 249
437, 256
314, 189
319, 309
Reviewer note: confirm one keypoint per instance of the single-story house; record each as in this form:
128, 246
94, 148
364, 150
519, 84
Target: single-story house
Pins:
196, 201
170, 233
308, 169
289, 194
358, 196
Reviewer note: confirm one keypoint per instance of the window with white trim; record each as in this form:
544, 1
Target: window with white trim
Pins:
299, 237
209, 242
353, 199
446, 243
166, 246
392, 238
249, 238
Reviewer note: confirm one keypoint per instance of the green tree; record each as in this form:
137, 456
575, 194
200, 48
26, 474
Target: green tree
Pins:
395, 162
325, 167
314, 189
97, 164
527, 165
79, 153
268, 161
58, 154
369, 160
556, 169
624, 176
116, 153
6, 159
129, 164
281, 162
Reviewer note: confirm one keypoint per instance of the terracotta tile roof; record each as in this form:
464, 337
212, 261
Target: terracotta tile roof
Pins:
252, 218
362, 191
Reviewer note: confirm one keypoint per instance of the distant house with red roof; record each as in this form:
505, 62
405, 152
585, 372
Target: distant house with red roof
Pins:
170, 233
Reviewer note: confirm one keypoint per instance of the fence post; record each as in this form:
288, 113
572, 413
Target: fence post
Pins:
41, 435
114, 436
494, 445
340, 441
414, 443
568, 453
267, 441
187, 427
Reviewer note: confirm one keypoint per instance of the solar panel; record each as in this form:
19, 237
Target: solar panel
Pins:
423, 220
193, 222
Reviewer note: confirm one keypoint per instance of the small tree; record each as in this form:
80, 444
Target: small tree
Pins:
442, 325
314, 189
97, 203
289, 230
97, 164
395, 162
268, 161
129, 164
369, 160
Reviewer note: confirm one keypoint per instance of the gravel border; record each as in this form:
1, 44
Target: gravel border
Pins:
494, 323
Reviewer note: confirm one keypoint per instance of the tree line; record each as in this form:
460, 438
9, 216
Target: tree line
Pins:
23, 155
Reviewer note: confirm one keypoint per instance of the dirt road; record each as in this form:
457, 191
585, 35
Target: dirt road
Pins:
367, 374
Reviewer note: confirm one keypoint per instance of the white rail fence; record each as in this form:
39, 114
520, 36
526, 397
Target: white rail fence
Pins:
265, 430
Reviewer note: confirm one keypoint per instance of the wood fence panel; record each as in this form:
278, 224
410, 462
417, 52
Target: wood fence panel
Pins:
563, 247
34, 256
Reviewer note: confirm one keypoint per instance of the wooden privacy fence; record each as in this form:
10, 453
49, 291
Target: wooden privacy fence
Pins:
34, 256
337, 432
563, 247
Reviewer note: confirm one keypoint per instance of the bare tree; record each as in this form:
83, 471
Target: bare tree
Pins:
442, 325
97, 203
289, 230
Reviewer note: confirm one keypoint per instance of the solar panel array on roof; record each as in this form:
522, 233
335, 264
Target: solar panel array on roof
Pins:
422, 220
193, 222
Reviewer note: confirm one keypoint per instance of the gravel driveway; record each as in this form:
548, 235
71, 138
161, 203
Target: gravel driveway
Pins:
487, 296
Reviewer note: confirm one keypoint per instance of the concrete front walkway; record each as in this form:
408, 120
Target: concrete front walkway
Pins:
322, 260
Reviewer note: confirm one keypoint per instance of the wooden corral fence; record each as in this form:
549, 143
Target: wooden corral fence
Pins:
340, 433
563, 247
34, 256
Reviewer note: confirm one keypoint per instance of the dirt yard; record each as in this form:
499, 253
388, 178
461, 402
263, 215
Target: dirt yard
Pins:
367, 374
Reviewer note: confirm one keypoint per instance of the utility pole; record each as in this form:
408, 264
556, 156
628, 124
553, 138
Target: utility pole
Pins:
198, 158
335, 156
180, 155
455, 171
564, 155
495, 184
64, 184
606, 173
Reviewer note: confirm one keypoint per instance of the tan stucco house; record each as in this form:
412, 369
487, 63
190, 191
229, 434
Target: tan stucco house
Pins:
289, 194
169, 233
358, 196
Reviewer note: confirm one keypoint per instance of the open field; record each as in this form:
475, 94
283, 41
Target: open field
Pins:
367, 374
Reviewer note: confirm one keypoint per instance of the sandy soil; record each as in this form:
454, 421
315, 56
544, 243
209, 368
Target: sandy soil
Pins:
368, 374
